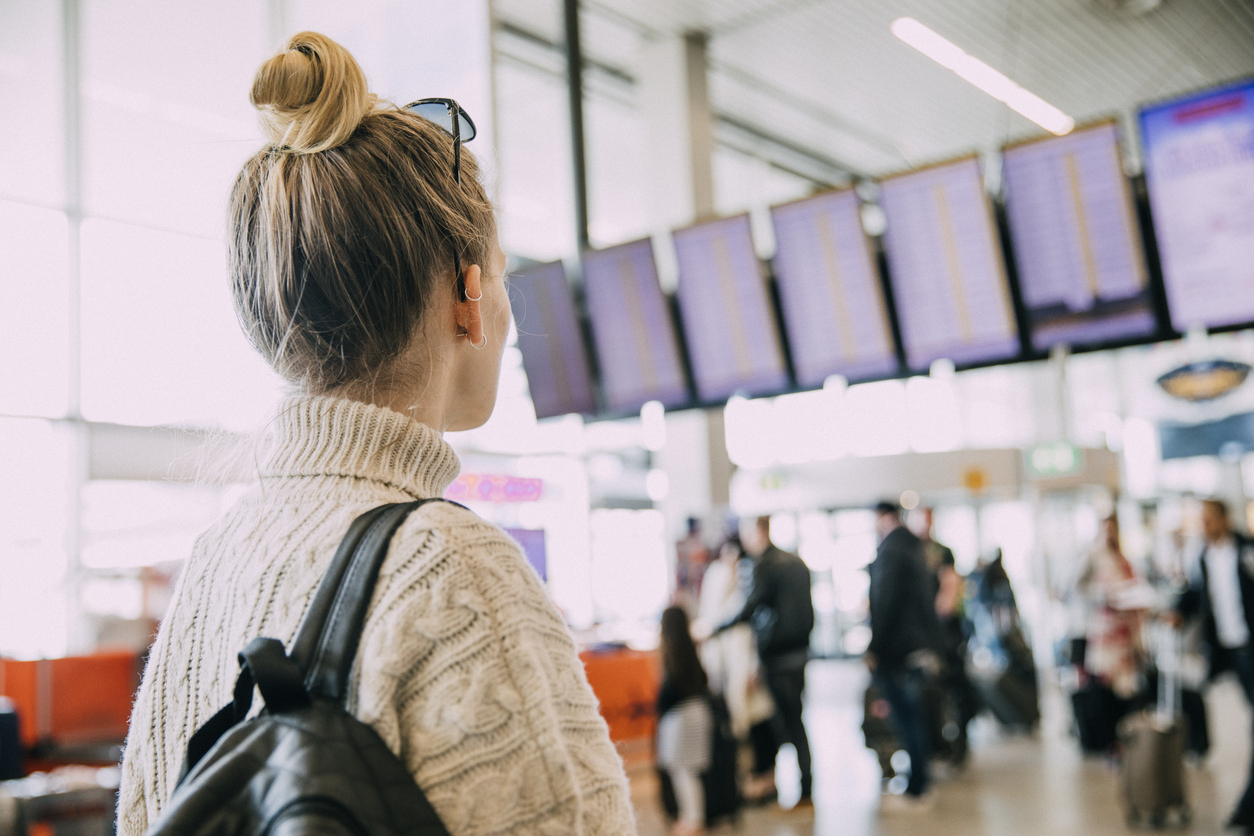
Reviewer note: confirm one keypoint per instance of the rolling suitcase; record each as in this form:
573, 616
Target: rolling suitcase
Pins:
1153, 746
720, 781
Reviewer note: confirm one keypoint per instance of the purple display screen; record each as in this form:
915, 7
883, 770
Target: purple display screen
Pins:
532, 542
729, 323
551, 342
1076, 241
829, 289
948, 277
1199, 167
632, 328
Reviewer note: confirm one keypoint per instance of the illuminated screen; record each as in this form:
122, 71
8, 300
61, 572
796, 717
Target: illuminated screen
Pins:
532, 542
632, 328
829, 289
1199, 166
729, 324
1076, 241
551, 342
949, 281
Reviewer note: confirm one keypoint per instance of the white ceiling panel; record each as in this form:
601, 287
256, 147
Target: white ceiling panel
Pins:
829, 75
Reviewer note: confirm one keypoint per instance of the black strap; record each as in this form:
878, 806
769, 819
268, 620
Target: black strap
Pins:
304, 644
326, 644
263, 663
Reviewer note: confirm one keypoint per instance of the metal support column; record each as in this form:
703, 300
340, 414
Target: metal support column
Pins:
574, 82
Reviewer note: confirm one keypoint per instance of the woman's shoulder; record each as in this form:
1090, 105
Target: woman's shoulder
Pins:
454, 541
455, 525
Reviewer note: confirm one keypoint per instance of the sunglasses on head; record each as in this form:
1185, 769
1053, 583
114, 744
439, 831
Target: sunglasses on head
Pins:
450, 117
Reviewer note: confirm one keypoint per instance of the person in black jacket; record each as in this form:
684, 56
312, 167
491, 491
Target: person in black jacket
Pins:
903, 635
1221, 594
782, 615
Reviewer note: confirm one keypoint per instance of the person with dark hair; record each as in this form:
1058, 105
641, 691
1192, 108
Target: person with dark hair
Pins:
903, 636
685, 723
781, 612
1221, 595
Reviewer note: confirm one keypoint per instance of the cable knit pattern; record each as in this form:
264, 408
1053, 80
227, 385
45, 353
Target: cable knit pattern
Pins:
465, 668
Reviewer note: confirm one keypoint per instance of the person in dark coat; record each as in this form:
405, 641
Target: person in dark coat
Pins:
781, 612
1221, 595
903, 635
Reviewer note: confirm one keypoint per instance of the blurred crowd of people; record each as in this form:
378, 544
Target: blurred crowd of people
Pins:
943, 647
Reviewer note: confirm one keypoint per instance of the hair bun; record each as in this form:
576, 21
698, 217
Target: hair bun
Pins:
312, 95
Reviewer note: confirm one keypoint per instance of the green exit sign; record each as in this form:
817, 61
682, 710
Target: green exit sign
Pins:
1057, 458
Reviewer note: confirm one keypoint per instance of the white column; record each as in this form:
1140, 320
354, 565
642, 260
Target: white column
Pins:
674, 95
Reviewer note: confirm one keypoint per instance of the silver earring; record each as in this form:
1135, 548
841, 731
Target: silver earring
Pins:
472, 298
485, 340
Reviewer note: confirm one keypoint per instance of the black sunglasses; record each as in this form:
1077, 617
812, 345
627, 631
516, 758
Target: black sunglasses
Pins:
451, 118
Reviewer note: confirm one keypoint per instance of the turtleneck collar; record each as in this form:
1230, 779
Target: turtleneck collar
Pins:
326, 436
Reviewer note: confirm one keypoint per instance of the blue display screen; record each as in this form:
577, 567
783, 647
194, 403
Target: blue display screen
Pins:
1199, 167
551, 341
829, 289
729, 322
1077, 243
632, 328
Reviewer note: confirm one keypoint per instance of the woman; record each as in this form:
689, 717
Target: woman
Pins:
731, 660
685, 725
365, 268
1113, 651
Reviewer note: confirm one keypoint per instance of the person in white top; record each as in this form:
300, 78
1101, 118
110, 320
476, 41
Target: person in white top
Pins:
365, 267
1221, 595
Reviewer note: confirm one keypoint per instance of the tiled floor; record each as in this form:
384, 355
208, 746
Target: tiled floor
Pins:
1014, 785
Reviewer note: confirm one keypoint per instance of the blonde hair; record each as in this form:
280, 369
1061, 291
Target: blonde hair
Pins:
343, 227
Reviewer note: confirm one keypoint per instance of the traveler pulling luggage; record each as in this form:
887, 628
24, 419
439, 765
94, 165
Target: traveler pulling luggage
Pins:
1153, 745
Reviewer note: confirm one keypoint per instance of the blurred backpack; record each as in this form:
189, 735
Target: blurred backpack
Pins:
304, 765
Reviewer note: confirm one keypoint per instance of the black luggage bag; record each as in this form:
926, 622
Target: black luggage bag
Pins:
721, 779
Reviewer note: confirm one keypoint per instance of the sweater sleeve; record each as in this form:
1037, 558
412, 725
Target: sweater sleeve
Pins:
476, 683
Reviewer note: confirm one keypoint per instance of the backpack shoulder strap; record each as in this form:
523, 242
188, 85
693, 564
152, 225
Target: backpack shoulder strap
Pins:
326, 643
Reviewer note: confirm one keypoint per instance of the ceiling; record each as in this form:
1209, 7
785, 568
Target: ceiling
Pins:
828, 76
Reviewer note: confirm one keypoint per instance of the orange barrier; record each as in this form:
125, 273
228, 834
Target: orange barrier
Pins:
72, 701
626, 683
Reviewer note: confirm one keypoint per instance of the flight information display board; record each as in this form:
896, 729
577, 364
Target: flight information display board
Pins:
632, 328
729, 322
1076, 240
1199, 167
551, 342
834, 311
944, 256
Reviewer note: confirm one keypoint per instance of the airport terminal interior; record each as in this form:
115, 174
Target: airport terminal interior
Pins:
945, 306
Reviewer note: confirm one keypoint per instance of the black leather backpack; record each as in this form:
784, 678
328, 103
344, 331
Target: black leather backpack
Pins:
304, 765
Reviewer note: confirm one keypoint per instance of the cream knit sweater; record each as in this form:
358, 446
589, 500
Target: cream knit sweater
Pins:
465, 668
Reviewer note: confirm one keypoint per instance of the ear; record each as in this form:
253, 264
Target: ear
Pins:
466, 309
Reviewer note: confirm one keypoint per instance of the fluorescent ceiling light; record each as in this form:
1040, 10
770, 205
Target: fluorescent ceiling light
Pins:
972, 69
